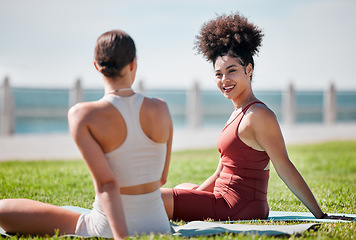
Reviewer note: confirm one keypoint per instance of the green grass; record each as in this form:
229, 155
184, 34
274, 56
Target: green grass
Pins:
328, 168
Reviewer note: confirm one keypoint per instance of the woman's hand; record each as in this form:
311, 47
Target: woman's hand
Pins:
337, 217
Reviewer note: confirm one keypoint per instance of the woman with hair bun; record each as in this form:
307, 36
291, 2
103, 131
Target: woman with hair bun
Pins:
125, 140
249, 140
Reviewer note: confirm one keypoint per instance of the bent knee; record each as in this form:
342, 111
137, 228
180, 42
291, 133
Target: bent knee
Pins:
187, 186
10, 206
5, 206
5, 211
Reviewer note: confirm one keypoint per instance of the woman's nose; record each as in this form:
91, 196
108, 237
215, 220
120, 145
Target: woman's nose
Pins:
224, 78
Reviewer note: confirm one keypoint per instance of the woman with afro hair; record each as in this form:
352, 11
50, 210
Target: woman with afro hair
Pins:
249, 140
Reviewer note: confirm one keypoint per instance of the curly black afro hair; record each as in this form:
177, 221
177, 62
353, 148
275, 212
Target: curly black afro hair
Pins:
229, 35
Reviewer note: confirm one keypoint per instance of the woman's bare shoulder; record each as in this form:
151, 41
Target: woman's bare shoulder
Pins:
260, 117
261, 111
155, 102
85, 110
156, 105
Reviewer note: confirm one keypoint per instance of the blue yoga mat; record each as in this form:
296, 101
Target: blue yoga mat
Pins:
304, 216
201, 228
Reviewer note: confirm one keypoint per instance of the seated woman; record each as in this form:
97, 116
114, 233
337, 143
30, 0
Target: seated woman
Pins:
249, 140
125, 139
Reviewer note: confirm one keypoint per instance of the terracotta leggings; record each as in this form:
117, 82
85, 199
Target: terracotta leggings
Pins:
232, 199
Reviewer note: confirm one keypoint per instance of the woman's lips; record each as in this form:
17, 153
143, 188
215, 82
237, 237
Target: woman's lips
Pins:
228, 88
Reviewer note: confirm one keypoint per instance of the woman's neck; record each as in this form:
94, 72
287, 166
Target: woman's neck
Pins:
118, 85
243, 101
120, 92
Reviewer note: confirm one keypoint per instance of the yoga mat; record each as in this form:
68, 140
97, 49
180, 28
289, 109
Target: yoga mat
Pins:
3, 233
201, 228
304, 216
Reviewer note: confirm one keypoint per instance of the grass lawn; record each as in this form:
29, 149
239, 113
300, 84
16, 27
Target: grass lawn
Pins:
328, 168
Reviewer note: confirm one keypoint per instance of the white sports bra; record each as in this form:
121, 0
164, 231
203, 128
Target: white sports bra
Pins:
139, 159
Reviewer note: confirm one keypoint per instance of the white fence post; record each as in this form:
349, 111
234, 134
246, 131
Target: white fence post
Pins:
76, 93
330, 105
289, 107
140, 87
7, 109
194, 107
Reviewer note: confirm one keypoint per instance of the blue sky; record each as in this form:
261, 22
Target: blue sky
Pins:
47, 43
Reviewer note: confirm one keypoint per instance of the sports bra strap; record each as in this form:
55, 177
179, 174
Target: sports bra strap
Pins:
249, 105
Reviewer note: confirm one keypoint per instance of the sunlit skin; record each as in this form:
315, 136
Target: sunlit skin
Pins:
97, 128
233, 80
259, 129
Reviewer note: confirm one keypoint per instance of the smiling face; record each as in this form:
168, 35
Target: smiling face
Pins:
233, 80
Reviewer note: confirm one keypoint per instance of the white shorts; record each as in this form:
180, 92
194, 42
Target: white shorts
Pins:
144, 213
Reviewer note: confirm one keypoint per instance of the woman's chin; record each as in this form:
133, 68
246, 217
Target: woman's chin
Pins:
227, 96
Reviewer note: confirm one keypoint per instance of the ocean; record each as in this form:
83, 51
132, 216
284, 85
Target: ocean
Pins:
45, 110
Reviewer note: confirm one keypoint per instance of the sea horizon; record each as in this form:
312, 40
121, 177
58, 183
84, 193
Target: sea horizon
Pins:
41, 110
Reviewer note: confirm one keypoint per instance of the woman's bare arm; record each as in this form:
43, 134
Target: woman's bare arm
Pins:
268, 135
208, 184
168, 157
106, 186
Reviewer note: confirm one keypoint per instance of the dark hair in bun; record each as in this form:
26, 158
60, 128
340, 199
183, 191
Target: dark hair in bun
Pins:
113, 51
229, 35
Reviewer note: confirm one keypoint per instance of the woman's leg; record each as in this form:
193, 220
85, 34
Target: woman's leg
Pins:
187, 186
168, 201
26, 216
191, 205
167, 196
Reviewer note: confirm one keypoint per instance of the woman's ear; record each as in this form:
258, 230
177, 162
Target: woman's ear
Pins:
133, 64
249, 70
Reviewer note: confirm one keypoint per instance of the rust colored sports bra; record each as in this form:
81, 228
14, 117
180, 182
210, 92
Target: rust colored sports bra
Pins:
235, 154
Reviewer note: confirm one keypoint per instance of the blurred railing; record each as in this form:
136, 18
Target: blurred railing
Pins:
194, 105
